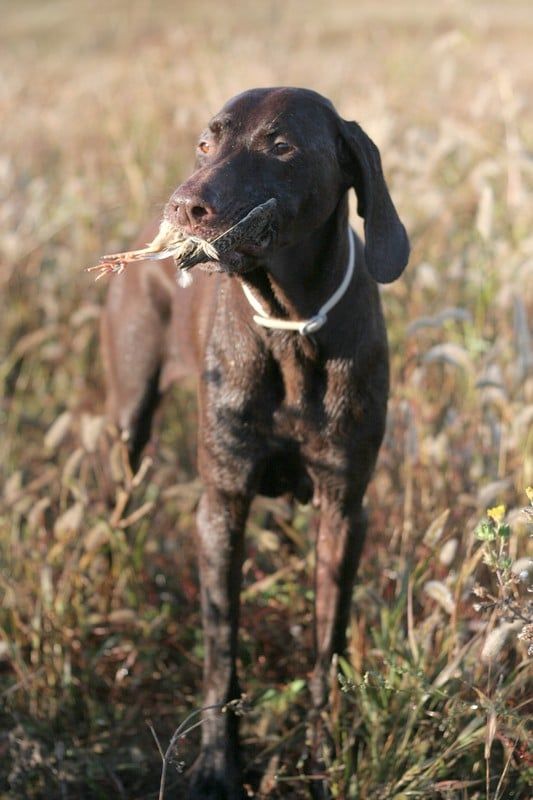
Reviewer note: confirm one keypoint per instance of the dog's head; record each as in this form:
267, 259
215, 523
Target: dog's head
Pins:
290, 145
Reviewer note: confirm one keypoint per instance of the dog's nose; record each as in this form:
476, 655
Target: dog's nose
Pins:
192, 212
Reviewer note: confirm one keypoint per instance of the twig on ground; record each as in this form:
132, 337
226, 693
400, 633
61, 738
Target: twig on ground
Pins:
235, 706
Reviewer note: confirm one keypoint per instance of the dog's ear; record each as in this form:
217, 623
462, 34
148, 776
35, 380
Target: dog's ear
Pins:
386, 242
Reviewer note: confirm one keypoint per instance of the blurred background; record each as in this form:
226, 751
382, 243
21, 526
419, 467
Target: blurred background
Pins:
101, 104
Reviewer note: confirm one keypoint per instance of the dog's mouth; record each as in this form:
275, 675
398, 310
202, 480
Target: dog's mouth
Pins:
232, 250
247, 256
258, 247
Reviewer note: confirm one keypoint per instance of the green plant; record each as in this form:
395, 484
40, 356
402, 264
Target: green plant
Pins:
510, 603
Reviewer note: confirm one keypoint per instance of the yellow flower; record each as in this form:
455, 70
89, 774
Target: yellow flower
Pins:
497, 513
529, 492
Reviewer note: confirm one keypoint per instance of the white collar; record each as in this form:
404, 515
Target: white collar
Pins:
314, 323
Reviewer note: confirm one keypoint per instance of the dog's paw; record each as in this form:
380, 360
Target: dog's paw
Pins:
318, 781
318, 752
215, 782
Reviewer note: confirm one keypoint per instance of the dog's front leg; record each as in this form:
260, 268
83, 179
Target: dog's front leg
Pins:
340, 538
220, 523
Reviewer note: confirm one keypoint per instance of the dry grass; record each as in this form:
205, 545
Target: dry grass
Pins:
99, 628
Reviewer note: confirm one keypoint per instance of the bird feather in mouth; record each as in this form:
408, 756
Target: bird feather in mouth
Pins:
187, 251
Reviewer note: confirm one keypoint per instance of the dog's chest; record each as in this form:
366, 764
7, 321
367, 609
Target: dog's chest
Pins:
263, 401
318, 400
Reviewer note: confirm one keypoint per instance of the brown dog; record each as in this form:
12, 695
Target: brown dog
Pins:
281, 411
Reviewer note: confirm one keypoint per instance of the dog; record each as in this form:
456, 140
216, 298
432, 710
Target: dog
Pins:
288, 340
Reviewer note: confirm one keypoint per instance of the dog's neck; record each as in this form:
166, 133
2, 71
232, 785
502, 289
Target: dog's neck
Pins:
298, 280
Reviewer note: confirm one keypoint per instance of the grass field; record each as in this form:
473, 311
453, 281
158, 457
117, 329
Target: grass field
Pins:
99, 614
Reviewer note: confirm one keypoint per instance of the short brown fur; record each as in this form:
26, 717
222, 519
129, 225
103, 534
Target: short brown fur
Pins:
278, 412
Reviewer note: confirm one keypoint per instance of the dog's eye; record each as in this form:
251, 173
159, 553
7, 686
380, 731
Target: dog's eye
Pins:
281, 148
203, 146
